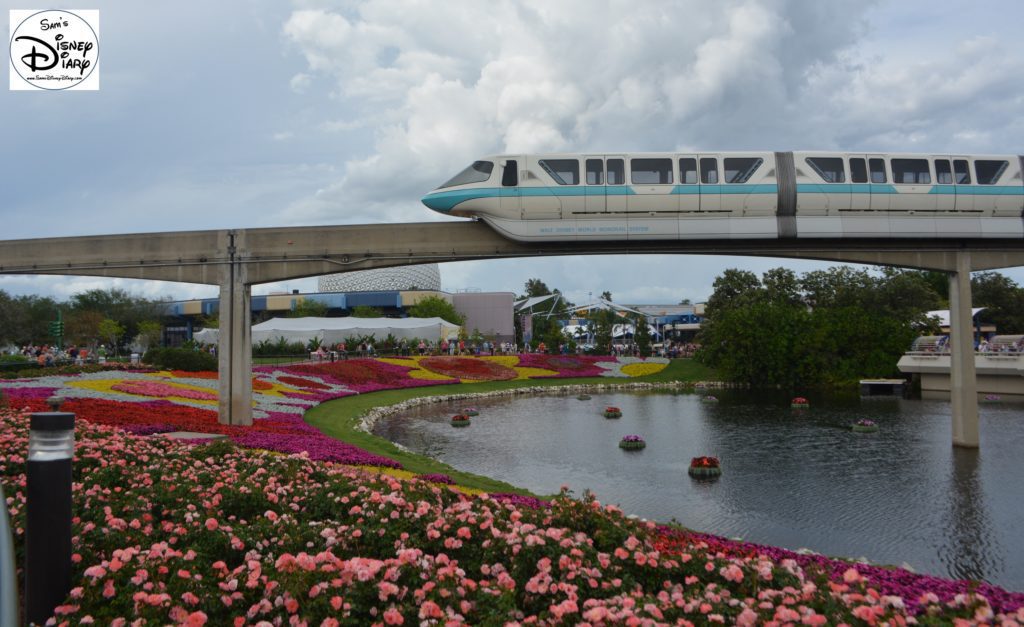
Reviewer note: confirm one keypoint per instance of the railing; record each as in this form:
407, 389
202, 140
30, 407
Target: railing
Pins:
1010, 354
8, 573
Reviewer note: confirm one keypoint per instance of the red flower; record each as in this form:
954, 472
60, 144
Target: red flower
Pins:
704, 462
468, 368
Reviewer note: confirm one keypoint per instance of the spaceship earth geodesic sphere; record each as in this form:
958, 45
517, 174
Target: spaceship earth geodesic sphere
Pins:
400, 278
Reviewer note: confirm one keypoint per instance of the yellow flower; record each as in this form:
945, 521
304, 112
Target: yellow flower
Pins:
642, 369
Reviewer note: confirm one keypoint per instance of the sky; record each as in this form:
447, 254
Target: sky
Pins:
263, 113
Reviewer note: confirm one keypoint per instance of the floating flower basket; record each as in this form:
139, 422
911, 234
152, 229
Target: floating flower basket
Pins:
991, 398
612, 412
799, 403
470, 411
632, 443
864, 426
460, 420
583, 397
705, 467
709, 399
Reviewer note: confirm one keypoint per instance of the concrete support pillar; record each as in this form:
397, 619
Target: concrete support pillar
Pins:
234, 350
963, 384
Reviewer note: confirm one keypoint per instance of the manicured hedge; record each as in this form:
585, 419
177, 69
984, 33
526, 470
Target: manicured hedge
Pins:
180, 359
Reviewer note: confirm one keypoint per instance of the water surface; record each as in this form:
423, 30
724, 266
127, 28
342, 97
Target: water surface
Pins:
792, 478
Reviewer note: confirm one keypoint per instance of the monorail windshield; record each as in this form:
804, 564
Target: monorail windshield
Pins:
479, 172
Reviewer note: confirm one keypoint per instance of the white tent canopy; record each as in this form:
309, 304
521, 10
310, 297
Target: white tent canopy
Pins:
943, 315
334, 330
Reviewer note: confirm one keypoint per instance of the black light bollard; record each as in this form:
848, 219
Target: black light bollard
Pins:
51, 446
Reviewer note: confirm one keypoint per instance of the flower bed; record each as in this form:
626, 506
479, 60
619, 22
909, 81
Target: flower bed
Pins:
632, 443
239, 537
705, 467
799, 403
471, 411
460, 420
864, 426
612, 412
709, 399
468, 368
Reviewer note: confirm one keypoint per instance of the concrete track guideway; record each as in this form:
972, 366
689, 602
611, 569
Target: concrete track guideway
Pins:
237, 259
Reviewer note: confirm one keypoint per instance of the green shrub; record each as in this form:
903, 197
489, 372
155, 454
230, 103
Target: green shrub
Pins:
276, 348
180, 359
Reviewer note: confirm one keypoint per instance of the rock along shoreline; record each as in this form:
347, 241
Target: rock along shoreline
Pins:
368, 420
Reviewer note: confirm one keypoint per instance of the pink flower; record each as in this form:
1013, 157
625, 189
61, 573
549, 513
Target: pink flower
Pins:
394, 617
429, 609
211, 524
851, 576
196, 619
96, 572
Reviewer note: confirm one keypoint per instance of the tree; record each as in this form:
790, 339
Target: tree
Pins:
208, 322
111, 331
536, 287
83, 327
606, 295
365, 311
120, 306
685, 301
150, 334
826, 327
642, 336
437, 307
733, 288
604, 324
308, 308
1002, 297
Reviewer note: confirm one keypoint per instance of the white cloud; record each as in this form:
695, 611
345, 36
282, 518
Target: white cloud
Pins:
381, 100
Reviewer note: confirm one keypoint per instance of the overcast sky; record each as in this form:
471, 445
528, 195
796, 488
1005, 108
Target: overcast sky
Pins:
263, 113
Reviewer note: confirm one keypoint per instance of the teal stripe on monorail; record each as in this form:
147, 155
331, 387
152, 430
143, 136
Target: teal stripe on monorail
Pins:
874, 188
981, 190
845, 188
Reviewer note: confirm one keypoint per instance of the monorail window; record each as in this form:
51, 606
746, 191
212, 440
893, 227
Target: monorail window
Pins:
911, 172
740, 169
510, 175
877, 167
988, 172
650, 171
595, 172
858, 171
564, 171
616, 172
962, 172
688, 171
828, 168
943, 173
477, 173
709, 170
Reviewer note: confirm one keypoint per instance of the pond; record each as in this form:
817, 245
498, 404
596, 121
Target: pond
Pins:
791, 478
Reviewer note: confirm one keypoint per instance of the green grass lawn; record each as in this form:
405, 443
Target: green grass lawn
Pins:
340, 418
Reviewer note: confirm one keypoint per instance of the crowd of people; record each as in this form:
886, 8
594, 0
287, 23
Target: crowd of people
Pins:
405, 348
49, 355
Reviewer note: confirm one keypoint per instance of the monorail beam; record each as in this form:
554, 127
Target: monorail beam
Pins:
294, 252
963, 383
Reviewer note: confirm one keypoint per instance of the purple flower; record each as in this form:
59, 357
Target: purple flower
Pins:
437, 477
632, 438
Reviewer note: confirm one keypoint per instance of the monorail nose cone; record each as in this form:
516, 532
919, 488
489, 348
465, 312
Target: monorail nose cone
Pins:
437, 203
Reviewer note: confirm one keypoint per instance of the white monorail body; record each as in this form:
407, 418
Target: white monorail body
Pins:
739, 195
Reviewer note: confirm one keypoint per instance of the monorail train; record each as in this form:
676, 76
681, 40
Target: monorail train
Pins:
748, 195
